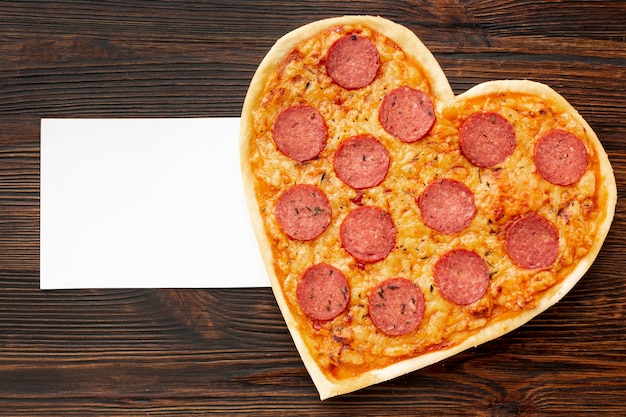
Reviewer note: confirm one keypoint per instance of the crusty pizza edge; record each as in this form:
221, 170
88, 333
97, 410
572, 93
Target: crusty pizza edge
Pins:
411, 44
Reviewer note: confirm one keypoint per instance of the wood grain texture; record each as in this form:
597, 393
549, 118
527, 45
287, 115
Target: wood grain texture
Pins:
228, 352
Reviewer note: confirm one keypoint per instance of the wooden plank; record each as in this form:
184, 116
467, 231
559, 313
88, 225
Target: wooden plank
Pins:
199, 352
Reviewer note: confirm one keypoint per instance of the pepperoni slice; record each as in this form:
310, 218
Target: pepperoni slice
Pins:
407, 114
486, 139
303, 212
532, 241
447, 206
396, 306
461, 276
300, 132
353, 62
561, 157
368, 234
361, 162
323, 292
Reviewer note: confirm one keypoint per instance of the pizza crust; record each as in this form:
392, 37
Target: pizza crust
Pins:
409, 42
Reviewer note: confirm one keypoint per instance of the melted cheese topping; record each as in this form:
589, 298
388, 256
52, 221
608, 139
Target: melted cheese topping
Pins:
350, 344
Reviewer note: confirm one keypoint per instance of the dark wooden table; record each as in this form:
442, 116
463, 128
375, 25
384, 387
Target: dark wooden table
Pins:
221, 352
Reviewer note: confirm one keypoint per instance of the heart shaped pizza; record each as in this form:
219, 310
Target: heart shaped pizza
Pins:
400, 224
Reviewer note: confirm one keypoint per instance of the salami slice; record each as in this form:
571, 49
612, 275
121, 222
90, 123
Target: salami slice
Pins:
396, 306
532, 241
323, 292
461, 276
361, 162
368, 234
486, 139
447, 206
407, 114
353, 62
303, 212
300, 132
560, 157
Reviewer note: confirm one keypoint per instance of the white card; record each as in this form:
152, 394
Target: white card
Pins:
144, 203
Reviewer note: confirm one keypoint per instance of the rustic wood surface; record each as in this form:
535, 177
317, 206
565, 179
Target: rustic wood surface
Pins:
222, 352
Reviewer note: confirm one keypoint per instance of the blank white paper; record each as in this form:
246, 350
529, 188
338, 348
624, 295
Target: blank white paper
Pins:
144, 203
